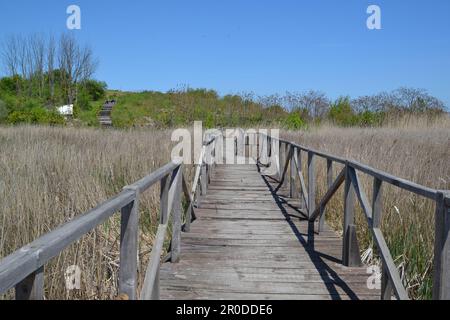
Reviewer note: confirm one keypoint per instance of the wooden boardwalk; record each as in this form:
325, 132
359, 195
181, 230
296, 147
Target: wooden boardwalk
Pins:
250, 243
244, 235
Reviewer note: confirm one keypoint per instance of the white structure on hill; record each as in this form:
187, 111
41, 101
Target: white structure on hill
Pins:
66, 111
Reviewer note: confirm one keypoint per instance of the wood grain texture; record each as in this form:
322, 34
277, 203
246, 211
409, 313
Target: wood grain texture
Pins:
251, 242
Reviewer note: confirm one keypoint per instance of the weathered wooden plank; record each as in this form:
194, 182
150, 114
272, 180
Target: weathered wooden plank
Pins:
150, 288
32, 287
441, 263
349, 219
129, 230
327, 197
388, 262
311, 184
176, 221
396, 181
28, 259
315, 288
201, 294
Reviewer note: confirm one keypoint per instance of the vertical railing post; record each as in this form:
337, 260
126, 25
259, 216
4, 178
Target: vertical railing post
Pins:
311, 183
32, 287
329, 184
441, 264
292, 191
203, 179
190, 209
377, 211
208, 159
129, 246
177, 208
197, 195
164, 200
281, 160
350, 249
303, 203
286, 155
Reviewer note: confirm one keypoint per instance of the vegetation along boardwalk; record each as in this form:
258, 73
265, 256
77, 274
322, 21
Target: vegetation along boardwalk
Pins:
249, 231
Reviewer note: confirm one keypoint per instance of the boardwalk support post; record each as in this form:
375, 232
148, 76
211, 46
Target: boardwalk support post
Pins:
129, 246
311, 183
177, 208
441, 270
32, 287
292, 191
329, 185
350, 255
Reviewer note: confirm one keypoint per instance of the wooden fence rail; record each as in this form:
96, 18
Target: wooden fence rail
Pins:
290, 155
24, 269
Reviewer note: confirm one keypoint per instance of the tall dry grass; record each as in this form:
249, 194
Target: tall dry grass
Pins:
50, 175
414, 149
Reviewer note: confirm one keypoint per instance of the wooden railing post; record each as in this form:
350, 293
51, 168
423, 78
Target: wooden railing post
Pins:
350, 253
164, 200
292, 191
377, 209
302, 192
208, 159
32, 287
177, 213
203, 179
129, 246
441, 267
311, 183
281, 160
329, 184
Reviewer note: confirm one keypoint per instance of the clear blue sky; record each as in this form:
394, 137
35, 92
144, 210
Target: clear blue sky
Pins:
255, 45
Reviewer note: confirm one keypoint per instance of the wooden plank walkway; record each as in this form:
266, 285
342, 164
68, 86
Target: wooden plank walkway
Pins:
249, 243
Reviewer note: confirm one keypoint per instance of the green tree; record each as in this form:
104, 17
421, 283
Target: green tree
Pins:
3, 111
342, 113
96, 90
294, 121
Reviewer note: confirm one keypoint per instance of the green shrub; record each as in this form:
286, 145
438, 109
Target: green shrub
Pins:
95, 90
342, 113
83, 101
3, 111
37, 115
369, 119
294, 122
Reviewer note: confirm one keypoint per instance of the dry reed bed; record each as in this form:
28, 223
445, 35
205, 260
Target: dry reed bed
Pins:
50, 175
419, 153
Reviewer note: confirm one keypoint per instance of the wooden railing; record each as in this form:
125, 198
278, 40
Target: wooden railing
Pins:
290, 155
24, 269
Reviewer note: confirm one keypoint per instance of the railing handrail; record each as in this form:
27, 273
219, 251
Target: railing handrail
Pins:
150, 289
387, 177
28, 259
391, 280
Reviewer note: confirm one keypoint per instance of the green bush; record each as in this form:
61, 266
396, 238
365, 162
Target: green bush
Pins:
37, 115
95, 90
3, 111
83, 101
294, 122
342, 113
369, 119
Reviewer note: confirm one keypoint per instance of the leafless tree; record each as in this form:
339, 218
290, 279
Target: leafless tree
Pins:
315, 103
75, 63
37, 47
9, 55
51, 53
